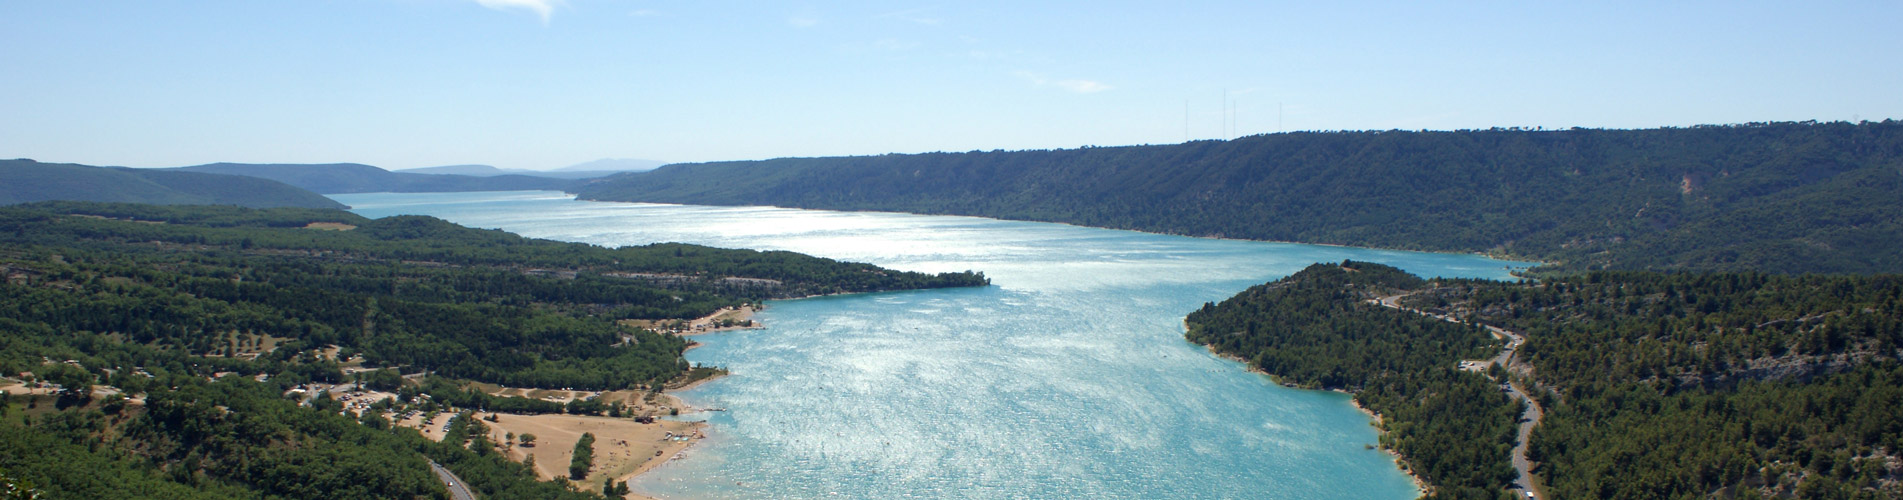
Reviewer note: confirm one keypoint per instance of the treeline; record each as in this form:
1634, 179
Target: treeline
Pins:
359, 178
445, 392
124, 286
1694, 385
1318, 328
1775, 197
583, 457
206, 319
26, 181
1655, 385
238, 438
431, 241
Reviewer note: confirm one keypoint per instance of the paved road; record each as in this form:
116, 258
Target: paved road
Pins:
1528, 419
457, 490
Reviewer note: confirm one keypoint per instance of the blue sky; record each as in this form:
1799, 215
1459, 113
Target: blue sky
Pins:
549, 83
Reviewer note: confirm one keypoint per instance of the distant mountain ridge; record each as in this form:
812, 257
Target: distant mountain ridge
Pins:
1778, 197
475, 170
359, 178
614, 165
492, 171
26, 181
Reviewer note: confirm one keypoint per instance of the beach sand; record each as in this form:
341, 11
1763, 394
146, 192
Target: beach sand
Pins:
740, 317
623, 448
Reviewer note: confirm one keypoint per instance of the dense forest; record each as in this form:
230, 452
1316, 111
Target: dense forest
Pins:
1774, 197
406, 291
208, 315
1655, 385
234, 437
26, 181
1316, 328
1688, 385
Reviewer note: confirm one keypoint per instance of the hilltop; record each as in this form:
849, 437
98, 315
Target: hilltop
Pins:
335, 178
26, 181
1779, 197
224, 352
1645, 384
574, 172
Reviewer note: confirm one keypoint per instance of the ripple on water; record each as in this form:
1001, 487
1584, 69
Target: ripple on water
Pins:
1069, 379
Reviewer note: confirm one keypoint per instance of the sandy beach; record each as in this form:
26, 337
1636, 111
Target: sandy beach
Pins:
624, 448
725, 319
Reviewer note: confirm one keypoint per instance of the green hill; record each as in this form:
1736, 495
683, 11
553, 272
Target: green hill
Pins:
1781, 197
215, 321
359, 178
1654, 385
1316, 328
26, 181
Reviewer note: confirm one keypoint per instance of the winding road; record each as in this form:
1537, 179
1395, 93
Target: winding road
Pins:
1527, 484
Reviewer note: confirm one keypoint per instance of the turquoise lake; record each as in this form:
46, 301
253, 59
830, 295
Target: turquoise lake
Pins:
1068, 378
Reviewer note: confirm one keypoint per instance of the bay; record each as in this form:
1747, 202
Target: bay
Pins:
1069, 378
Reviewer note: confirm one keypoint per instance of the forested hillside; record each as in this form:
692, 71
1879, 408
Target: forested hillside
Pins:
1316, 328
359, 178
211, 314
403, 291
1777, 197
1687, 385
1655, 385
26, 181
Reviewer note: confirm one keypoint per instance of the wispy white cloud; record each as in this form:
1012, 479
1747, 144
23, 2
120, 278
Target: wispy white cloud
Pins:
1073, 85
1082, 86
543, 8
645, 13
802, 21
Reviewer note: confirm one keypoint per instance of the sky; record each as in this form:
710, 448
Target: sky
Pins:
544, 84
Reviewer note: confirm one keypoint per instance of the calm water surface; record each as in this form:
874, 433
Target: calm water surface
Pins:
1069, 378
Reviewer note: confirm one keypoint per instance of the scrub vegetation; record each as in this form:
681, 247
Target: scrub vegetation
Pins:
178, 341
1655, 385
1317, 329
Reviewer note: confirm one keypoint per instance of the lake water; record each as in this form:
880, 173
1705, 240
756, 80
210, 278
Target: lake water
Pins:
1069, 378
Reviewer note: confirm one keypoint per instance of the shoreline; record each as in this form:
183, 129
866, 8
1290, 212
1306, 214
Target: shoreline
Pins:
706, 324
738, 318
675, 451
688, 387
624, 448
1400, 462
1482, 253
1375, 420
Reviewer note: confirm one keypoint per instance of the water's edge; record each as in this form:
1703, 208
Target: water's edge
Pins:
1067, 378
